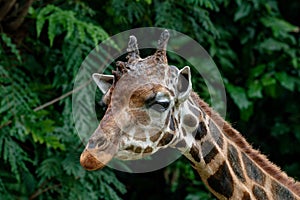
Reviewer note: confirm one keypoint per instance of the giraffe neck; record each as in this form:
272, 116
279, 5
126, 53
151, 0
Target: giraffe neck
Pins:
227, 164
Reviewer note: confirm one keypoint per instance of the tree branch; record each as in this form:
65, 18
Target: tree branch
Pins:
21, 14
61, 97
38, 192
52, 101
6, 124
6, 7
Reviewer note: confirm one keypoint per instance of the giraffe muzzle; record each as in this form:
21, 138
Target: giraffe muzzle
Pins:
99, 151
97, 154
92, 160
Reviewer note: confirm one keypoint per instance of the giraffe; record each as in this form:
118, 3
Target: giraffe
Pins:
161, 110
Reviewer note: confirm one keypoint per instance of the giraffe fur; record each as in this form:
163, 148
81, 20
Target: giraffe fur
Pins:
151, 106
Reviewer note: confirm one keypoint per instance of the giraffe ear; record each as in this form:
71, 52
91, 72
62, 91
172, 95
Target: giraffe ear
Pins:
184, 84
103, 82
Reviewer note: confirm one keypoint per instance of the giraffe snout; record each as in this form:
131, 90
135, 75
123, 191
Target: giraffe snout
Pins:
90, 160
99, 143
97, 153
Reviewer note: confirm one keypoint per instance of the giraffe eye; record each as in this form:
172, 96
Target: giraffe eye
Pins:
160, 106
158, 102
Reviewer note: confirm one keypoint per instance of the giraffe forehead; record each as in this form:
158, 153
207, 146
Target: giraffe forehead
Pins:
146, 70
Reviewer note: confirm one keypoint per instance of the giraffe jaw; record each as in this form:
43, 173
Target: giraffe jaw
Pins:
128, 155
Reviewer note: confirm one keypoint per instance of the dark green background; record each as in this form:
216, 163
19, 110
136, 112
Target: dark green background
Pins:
255, 45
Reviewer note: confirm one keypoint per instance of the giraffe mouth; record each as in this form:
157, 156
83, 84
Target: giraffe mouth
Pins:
92, 160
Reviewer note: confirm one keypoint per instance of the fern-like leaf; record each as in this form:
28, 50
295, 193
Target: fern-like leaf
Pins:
58, 18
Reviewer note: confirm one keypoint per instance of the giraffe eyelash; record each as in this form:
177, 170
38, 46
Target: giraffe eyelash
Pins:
158, 102
160, 106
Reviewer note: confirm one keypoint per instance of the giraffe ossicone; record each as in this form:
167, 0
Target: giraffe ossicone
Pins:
151, 106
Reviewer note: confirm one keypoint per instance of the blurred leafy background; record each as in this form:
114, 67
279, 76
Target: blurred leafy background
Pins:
255, 44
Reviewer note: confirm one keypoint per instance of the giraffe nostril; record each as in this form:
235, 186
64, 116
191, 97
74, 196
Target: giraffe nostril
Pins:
97, 143
91, 144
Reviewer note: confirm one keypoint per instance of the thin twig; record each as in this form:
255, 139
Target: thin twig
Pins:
52, 101
5, 8
61, 97
22, 12
38, 192
6, 124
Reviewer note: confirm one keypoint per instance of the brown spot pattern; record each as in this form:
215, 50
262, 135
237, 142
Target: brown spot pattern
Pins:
280, 192
209, 151
183, 131
166, 139
181, 144
130, 148
220, 141
172, 123
148, 150
235, 162
140, 116
237, 138
252, 170
194, 151
259, 193
201, 131
246, 196
222, 181
190, 120
215, 133
138, 150
155, 137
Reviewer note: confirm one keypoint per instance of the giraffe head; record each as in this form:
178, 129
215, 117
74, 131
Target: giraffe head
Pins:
142, 96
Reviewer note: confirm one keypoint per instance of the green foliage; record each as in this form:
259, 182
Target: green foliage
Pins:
11, 46
181, 173
239, 96
60, 20
254, 46
39, 147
